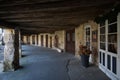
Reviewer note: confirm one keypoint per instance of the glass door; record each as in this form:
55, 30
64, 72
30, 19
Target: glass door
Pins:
88, 36
88, 40
108, 48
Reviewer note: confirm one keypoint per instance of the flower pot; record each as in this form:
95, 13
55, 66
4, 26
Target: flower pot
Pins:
85, 60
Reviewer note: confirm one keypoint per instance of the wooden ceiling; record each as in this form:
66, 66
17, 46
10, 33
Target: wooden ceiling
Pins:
38, 16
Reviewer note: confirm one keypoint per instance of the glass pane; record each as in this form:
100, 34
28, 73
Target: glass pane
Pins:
114, 65
87, 32
104, 59
100, 57
87, 38
112, 28
88, 44
102, 46
113, 19
102, 30
109, 62
73, 36
102, 23
68, 36
112, 48
102, 38
112, 38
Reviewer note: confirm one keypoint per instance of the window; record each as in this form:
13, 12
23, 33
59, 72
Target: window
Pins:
112, 38
108, 45
73, 36
104, 59
68, 36
88, 37
109, 62
114, 65
100, 57
102, 38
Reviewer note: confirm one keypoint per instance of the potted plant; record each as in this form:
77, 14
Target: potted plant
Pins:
84, 53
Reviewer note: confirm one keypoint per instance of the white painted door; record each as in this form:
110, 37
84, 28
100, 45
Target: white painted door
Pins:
109, 37
88, 39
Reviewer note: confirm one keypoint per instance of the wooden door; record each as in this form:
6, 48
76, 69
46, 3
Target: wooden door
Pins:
70, 41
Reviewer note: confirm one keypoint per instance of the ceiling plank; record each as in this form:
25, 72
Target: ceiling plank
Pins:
54, 9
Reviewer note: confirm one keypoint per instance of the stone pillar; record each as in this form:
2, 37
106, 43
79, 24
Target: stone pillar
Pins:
20, 46
28, 39
118, 62
31, 41
36, 40
25, 39
11, 50
39, 38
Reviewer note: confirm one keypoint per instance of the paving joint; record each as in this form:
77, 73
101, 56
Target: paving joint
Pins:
67, 68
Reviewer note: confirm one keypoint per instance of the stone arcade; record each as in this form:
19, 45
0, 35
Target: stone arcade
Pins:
61, 25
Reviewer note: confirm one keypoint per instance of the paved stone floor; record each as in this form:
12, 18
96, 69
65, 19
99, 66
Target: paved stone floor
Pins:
46, 64
1, 52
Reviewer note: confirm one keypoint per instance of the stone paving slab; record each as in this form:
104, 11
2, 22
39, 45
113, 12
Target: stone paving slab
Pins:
1, 53
78, 72
40, 63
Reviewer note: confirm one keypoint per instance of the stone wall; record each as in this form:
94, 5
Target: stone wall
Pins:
61, 39
25, 39
80, 38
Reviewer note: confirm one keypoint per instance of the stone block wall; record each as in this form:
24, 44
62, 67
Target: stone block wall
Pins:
80, 38
25, 39
61, 39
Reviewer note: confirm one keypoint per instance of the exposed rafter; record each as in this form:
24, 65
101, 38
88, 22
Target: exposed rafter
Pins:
36, 16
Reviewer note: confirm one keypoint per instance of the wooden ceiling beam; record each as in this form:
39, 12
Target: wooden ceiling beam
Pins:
49, 24
23, 32
21, 2
51, 15
54, 3
36, 16
54, 10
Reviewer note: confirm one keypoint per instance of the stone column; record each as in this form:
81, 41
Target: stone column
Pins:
11, 50
28, 39
39, 43
31, 41
25, 39
36, 40
118, 62
20, 46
